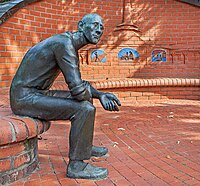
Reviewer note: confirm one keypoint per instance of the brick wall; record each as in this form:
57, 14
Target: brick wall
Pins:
155, 93
166, 24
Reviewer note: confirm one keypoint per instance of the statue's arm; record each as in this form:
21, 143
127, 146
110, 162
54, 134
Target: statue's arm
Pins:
94, 92
108, 100
68, 62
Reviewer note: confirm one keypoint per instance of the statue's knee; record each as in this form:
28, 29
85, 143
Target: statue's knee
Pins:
87, 106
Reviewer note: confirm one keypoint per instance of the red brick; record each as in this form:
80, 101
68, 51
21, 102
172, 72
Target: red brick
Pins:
7, 133
124, 94
4, 84
11, 48
142, 98
5, 165
136, 94
5, 78
31, 126
133, 98
39, 9
5, 54
11, 150
154, 97
20, 128
2, 48
21, 160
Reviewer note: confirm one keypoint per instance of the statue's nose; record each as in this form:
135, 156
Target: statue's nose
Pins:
98, 32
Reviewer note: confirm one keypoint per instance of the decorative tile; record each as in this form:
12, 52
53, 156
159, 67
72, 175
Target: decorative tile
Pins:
98, 56
128, 54
159, 55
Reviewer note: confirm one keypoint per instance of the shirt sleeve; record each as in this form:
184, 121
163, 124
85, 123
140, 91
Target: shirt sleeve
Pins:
68, 61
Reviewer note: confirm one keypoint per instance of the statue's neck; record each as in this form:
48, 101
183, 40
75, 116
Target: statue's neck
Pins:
79, 40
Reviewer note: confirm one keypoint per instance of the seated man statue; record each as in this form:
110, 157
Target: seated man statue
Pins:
30, 94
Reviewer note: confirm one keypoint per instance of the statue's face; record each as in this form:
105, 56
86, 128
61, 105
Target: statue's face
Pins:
93, 29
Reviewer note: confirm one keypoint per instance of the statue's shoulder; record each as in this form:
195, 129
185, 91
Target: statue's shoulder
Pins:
61, 42
67, 34
63, 38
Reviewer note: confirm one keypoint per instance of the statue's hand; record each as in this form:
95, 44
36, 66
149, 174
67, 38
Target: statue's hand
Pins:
109, 102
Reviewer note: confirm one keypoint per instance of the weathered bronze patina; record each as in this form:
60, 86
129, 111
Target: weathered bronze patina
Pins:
30, 94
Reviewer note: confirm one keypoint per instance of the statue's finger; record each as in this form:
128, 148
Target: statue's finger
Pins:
116, 100
112, 105
107, 106
116, 108
104, 106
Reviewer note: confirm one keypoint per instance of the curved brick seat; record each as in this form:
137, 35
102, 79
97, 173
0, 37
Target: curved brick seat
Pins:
18, 142
156, 82
133, 89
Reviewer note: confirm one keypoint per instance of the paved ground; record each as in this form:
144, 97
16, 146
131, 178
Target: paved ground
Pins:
149, 144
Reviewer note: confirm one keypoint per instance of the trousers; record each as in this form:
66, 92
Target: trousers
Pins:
59, 105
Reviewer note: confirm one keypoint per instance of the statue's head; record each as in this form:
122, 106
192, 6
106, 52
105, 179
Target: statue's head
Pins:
92, 27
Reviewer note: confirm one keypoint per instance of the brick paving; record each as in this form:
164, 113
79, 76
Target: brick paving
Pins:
149, 144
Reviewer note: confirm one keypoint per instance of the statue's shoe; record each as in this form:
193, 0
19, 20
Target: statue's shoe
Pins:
89, 172
99, 151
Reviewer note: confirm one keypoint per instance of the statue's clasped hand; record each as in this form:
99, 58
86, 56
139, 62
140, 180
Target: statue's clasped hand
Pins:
109, 102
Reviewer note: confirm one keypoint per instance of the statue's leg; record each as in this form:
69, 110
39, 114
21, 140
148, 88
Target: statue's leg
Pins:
96, 151
81, 133
81, 115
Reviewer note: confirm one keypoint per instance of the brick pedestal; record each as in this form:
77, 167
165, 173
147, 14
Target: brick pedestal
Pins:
18, 142
18, 160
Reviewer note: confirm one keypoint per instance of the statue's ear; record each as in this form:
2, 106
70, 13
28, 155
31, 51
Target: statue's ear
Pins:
80, 25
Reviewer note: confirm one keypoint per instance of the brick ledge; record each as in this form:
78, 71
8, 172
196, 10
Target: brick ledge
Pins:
154, 82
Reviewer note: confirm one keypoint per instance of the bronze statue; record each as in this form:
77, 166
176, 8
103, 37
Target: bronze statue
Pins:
30, 94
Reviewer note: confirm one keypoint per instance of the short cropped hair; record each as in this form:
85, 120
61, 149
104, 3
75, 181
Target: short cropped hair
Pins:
89, 17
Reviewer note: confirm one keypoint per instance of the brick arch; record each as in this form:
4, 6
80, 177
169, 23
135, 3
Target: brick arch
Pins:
192, 2
8, 8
